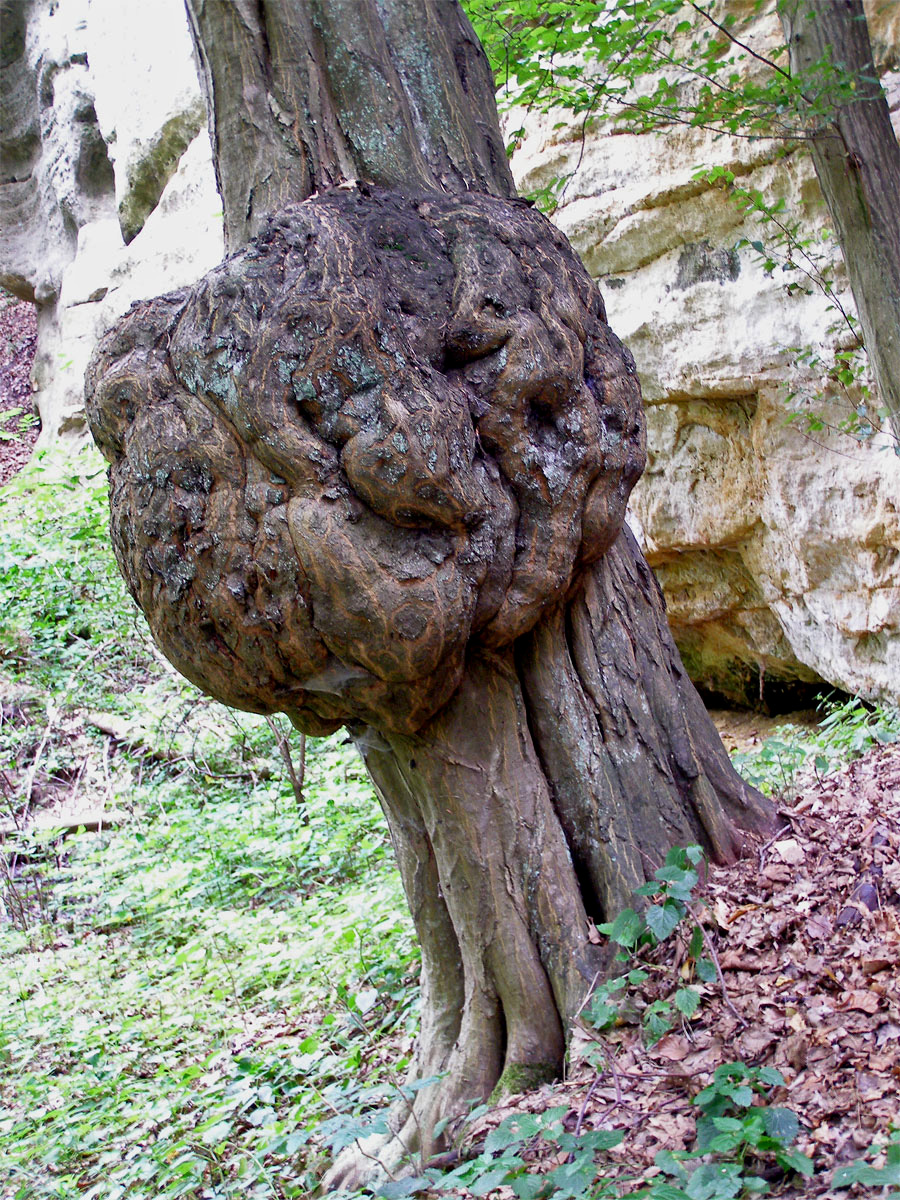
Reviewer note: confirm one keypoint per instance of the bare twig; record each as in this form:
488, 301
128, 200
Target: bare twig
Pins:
737, 41
774, 838
295, 774
32, 771
583, 1109
711, 951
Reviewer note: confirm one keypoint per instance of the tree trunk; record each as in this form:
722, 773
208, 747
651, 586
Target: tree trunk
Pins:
533, 804
303, 96
574, 751
857, 161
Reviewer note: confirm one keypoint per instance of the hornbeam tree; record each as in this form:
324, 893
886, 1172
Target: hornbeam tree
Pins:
372, 471
857, 160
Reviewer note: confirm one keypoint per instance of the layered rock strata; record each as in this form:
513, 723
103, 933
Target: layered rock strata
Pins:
776, 540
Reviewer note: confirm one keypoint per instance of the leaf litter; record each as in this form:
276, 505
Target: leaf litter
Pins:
807, 935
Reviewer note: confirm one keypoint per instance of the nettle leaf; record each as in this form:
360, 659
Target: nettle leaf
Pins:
603, 1015
528, 1187
626, 929
671, 1163
687, 1001
706, 970
662, 919
403, 1187
803, 1164
706, 1132
651, 888
486, 1183
593, 1140
868, 1176
716, 1181
656, 1022
696, 942
781, 1123
770, 1076
513, 1130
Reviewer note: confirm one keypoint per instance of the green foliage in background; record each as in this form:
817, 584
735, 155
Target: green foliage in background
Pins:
182, 993
652, 64
848, 728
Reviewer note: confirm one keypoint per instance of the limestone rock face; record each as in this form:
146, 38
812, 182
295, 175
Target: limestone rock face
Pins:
103, 144
777, 545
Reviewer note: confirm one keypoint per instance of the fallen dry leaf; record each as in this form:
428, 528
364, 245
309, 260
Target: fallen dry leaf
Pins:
790, 851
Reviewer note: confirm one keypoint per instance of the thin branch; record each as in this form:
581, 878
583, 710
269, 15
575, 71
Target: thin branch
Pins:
711, 950
295, 774
737, 41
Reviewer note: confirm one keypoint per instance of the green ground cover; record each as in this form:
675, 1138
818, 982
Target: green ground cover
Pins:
206, 994
184, 994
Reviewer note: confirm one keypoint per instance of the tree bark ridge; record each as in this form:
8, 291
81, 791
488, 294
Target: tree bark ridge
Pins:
303, 97
857, 161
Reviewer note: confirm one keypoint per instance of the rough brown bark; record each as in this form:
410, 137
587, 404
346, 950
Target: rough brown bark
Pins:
303, 96
373, 470
857, 161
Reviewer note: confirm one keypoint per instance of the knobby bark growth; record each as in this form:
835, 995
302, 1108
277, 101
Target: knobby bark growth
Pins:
372, 470
857, 161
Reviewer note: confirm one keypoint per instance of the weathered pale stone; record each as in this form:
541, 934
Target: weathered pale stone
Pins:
147, 97
180, 240
102, 142
778, 548
55, 174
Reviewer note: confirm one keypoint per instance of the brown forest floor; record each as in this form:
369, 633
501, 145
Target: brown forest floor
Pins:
808, 935
18, 332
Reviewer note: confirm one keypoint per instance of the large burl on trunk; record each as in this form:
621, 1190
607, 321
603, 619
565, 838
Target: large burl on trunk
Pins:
372, 471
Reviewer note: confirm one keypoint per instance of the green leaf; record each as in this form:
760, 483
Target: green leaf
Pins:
802, 1163
592, 1139
528, 1187
404, 1187
696, 942
863, 1173
664, 1191
706, 970
781, 1123
687, 1001
662, 919
603, 1015
715, 1181
626, 929
770, 1076
485, 1184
